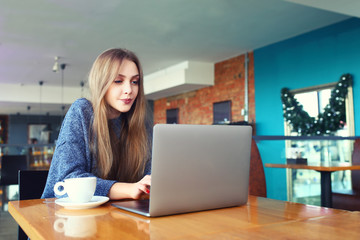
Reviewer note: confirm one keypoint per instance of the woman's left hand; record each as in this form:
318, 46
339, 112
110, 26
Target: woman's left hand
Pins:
143, 187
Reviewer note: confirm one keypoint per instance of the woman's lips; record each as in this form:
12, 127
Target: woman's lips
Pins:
127, 101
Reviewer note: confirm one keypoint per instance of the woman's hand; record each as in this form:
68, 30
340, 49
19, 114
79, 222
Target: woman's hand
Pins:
141, 188
131, 190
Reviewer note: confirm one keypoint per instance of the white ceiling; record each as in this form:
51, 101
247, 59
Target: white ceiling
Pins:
161, 32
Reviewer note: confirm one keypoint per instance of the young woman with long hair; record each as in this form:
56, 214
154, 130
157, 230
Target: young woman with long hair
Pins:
107, 136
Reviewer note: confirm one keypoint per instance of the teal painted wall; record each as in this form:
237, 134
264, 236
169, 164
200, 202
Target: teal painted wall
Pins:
314, 58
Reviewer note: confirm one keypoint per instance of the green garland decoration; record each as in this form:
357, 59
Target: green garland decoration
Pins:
328, 122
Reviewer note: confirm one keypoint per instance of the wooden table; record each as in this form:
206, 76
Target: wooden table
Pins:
325, 171
260, 218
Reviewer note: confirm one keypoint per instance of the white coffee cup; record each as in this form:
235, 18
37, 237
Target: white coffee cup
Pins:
79, 190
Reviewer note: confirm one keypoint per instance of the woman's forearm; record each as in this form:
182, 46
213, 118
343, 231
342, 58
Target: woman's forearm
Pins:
120, 190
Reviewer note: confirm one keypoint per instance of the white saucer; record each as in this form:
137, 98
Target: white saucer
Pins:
94, 202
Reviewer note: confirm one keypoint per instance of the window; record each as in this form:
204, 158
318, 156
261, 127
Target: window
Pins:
312, 107
304, 185
172, 115
222, 112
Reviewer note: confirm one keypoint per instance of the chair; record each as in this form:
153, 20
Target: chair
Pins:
350, 200
10, 165
257, 182
31, 186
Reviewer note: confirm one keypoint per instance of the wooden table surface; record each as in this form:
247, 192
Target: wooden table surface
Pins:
339, 226
259, 218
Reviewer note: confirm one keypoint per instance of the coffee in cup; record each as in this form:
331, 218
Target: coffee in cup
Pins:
79, 190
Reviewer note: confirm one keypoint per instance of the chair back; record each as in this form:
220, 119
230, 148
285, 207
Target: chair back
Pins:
31, 186
10, 165
355, 175
32, 183
257, 182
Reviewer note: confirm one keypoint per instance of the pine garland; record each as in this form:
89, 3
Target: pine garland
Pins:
328, 122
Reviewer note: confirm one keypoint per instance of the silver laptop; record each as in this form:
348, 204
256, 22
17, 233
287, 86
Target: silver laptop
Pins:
195, 168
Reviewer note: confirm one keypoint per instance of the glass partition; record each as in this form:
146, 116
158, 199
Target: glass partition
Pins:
38, 155
303, 185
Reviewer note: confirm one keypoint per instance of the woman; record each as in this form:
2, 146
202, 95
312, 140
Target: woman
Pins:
106, 137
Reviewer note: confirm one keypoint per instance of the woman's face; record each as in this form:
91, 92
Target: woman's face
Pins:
123, 90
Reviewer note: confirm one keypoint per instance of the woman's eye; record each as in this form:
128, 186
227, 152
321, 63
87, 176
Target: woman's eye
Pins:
118, 81
135, 82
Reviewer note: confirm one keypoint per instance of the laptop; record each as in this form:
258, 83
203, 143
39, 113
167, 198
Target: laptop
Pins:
196, 168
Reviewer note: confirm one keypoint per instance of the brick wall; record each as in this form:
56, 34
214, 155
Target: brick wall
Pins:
196, 107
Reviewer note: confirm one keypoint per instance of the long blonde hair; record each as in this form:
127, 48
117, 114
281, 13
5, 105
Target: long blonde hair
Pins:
122, 159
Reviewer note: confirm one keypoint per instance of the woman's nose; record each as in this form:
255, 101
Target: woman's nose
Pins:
127, 88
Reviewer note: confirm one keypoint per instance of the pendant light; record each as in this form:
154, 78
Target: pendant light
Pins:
48, 127
40, 101
62, 67
82, 84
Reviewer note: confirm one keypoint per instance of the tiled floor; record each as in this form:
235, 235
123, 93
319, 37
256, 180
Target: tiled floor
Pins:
307, 189
8, 226
312, 200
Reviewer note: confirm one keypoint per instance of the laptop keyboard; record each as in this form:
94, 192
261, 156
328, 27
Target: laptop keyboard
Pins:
142, 205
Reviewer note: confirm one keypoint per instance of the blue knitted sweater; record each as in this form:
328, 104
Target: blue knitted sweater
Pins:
72, 157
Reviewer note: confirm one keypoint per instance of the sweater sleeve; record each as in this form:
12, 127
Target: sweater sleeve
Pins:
72, 157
